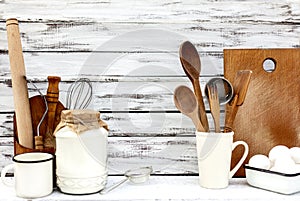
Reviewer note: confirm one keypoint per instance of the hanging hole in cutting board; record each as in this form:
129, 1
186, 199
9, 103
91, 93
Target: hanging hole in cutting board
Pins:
269, 65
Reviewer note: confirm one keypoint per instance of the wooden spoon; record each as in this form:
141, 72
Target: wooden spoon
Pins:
240, 88
186, 103
191, 64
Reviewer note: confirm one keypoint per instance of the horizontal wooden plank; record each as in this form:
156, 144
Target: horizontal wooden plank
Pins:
210, 35
115, 93
167, 155
151, 11
131, 124
95, 64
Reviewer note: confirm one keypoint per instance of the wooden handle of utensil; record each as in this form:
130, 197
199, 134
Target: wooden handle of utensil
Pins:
230, 114
52, 100
240, 85
201, 107
39, 142
19, 84
199, 126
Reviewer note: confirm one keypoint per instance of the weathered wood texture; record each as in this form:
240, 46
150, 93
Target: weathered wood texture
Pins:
129, 49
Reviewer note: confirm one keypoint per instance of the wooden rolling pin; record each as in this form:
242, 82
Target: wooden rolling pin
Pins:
19, 84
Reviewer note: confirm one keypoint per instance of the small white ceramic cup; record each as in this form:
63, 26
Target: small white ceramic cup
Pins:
214, 152
33, 176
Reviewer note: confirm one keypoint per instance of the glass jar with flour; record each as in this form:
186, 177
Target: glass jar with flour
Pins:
81, 152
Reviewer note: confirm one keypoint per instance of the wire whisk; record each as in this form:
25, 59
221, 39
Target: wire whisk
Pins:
79, 94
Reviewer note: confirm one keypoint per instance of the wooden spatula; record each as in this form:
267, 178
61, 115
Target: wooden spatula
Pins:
240, 87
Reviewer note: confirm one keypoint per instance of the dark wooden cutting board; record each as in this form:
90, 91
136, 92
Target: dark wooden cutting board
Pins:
270, 115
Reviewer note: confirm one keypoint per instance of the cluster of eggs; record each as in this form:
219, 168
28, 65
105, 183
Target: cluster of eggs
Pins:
280, 159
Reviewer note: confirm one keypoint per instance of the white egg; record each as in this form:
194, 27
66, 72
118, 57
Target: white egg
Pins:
285, 165
295, 154
279, 151
260, 161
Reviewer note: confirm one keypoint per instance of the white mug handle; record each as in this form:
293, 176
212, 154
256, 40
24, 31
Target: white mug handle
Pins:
3, 173
238, 165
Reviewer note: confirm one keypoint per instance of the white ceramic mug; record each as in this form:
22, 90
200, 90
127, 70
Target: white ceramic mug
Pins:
214, 152
33, 174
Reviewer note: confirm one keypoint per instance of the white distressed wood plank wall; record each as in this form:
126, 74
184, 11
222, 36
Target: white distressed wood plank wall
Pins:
129, 49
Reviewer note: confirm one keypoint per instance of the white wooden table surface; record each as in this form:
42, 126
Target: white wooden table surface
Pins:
167, 188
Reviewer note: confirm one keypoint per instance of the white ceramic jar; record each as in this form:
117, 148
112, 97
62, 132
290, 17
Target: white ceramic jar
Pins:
81, 152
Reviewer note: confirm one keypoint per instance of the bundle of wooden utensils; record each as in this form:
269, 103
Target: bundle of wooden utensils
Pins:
218, 90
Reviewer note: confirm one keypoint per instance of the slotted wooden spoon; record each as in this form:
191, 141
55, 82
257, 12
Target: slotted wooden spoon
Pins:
186, 103
240, 87
191, 64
